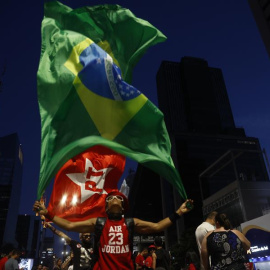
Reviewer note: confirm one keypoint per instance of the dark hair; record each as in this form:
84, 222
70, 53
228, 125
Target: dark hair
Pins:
151, 247
192, 257
223, 221
15, 252
144, 248
158, 241
57, 260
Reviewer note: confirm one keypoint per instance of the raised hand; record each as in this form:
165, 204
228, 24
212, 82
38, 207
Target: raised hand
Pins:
39, 208
185, 207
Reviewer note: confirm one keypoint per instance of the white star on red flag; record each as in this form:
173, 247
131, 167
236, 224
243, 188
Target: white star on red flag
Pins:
91, 181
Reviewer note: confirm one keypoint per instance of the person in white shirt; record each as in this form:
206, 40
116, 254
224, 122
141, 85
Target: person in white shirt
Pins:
203, 229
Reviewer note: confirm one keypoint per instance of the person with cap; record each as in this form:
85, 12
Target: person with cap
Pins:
114, 243
163, 256
150, 261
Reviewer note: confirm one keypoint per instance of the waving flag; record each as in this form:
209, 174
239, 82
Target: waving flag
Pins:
83, 97
81, 185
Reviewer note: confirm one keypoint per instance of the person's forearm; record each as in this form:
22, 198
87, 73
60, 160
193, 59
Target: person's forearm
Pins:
167, 222
154, 263
59, 233
49, 215
205, 260
80, 226
62, 223
146, 227
246, 245
66, 263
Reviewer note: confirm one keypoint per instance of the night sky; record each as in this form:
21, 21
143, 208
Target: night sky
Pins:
222, 32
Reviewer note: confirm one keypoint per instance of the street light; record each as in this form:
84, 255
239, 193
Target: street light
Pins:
64, 249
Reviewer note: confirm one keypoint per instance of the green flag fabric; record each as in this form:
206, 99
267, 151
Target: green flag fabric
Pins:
84, 99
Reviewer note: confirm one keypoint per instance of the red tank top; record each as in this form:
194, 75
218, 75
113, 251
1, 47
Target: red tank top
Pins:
114, 251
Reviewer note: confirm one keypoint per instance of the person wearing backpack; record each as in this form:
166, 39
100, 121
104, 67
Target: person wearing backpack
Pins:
163, 256
114, 244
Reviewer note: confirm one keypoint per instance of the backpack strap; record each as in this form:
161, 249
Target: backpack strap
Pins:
100, 223
130, 226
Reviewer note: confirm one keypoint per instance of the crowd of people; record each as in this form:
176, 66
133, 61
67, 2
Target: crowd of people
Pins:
114, 233
153, 257
10, 260
107, 243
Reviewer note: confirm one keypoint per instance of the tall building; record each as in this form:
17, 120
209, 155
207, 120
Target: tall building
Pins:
11, 166
220, 166
28, 234
46, 251
261, 13
204, 130
193, 98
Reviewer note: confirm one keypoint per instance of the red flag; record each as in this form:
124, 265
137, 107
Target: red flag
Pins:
81, 185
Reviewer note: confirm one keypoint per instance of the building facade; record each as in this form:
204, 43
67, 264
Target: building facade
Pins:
210, 152
11, 167
205, 132
28, 235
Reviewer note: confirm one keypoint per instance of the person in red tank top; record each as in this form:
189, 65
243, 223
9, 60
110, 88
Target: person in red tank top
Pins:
140, 258
114, 251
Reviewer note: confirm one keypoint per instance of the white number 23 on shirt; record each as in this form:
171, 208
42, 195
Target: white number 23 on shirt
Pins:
116, 238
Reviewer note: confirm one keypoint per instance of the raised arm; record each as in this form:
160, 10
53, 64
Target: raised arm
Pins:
80, 226
244, 240
145, 227
66, 263
154, 262
57, 232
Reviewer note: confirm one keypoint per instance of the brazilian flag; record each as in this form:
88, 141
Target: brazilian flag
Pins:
84, 94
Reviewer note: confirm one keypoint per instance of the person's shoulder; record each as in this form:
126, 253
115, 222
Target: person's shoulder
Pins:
199, 226
3, 260
204, 227
162, 252
208, 233
238, 233
72, 241
75, 244
159, 252
208, 226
